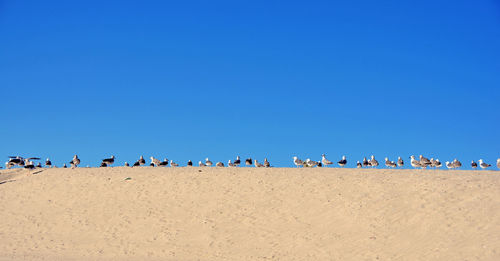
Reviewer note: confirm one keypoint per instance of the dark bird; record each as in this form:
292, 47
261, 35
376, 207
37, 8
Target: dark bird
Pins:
473, 165
64, 166
136, 164
190, 163
126, 164
249, 162
359, 165
164, 163
109, 161
400, 162
342, 162
48, 163
237, 162
366, 163
103, 164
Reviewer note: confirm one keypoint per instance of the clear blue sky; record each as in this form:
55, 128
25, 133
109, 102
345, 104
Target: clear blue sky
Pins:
195, 79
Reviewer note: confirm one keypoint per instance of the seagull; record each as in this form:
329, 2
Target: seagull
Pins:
208, 162
483, 165
325, 161
258, 165
230, 164
343, 162
457, 163
28, 164
9, 165
237, 162
39, 165
390, 164
64, 166
201, 164
126, 164
219, 164
414, 163
16, 160
424, 162
359, 165
473, 165
164, 163
48, 163
373, 162
103, 164
173, 164
437, 164
311, 163
498, 163
297, 162
154, 161
249, 162
400, 162
320, 164
109, 161
141, 161
449, 165
75, 161
366, 163
137, 164
266, 163
190, 163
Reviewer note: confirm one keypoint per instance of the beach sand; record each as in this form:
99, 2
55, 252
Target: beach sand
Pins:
249, 214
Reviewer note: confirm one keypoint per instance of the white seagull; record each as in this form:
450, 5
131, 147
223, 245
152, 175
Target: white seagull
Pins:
325, 161
483, 165
298, 162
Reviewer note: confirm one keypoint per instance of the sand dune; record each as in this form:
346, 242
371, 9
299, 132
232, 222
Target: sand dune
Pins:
249, 214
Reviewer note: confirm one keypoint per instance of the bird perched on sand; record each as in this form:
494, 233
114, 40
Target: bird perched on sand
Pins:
249, 162
48, 163
343, 162
373, 162
298, 162
389, 164
400, 162
64, 166
258, 164
155, 161
109, 161
164, 163
38, 165
237, 162
311, 163
449, 165
437, 164
366, 163
136, 164
325, 162
359, 165
266, 163
173, 164
230, 164
219, 164
498, 163
75, 161
483, 165
126, 164
103, 164
457, 163
208, 162
190, 163
201, 164
414, 163
424, 162
141, 161
473, 165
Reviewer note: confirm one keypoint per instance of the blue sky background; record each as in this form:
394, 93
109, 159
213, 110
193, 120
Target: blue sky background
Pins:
191, 79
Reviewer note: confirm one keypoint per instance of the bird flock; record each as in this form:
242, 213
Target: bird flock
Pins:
420, 162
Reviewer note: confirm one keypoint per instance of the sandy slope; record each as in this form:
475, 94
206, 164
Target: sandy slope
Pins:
249, 214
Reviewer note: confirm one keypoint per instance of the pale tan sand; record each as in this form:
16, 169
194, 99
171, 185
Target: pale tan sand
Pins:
249, 214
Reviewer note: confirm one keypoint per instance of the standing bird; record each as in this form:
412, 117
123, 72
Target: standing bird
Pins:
258, 165
141, 161
173, 164
414, 163
311, 163
201, 164
498, 163
457, 163
103, 164
154, 161
366, 163
400, 162
137, 164
424, 162
373, 162
359, 165
297, 162
109, 161
237, 162
249, 162
126, 164
64, 166
449, 165
48, 163
230, 164
483, 165
437, 164
473, 165
208, 162
325, 162
266, 163
75, 161
219, 164
343, 162
190, 163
